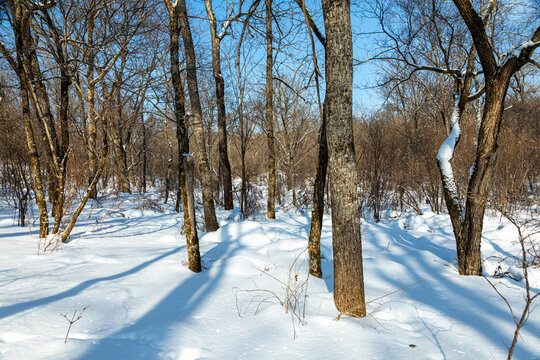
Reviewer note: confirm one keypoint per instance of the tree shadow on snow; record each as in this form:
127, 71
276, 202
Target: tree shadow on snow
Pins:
149, 336
17, 308
443, 291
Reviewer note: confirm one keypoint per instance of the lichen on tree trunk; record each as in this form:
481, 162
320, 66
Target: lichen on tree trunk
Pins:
346, 237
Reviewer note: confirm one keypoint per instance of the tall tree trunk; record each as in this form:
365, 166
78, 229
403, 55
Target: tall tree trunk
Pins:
34, 163
185, 163
318, 203
23, 42
91, 95
477, 191
224, 164
210, 219
347, 243
271, 210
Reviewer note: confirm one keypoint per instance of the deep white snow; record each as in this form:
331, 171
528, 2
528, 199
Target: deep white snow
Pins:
127, 266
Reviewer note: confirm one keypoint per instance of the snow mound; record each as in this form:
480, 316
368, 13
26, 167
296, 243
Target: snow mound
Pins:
416, 223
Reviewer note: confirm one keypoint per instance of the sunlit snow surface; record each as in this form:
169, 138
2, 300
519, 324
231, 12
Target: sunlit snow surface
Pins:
128, 266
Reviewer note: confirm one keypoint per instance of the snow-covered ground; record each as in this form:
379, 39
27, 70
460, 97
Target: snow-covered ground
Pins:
126, 266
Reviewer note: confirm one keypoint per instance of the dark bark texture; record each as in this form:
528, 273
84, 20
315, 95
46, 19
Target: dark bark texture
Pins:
497, 78
185, 164
315, 268
347, 244
224, 164
210, 219
271, 205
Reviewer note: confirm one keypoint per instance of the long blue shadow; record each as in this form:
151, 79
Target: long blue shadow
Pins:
147, 338
466, 307
17, 308
15, 234
113, 226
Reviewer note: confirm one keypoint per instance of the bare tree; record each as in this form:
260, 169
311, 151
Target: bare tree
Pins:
210, 219
185, 161
294, 125
431, 39
496, 78
25, 66
224, 164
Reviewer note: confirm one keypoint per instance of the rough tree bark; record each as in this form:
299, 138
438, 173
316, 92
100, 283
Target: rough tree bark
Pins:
271, 210
497, 78
347, 244
210, 219
317, 213
185, 162
224, 164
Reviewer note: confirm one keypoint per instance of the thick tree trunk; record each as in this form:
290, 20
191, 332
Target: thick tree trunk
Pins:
224, 164
210, 219
318, 204
347, 243
271, 210
185, 163
477, 192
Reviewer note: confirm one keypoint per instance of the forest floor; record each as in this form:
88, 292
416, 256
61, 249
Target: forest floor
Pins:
125, 264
